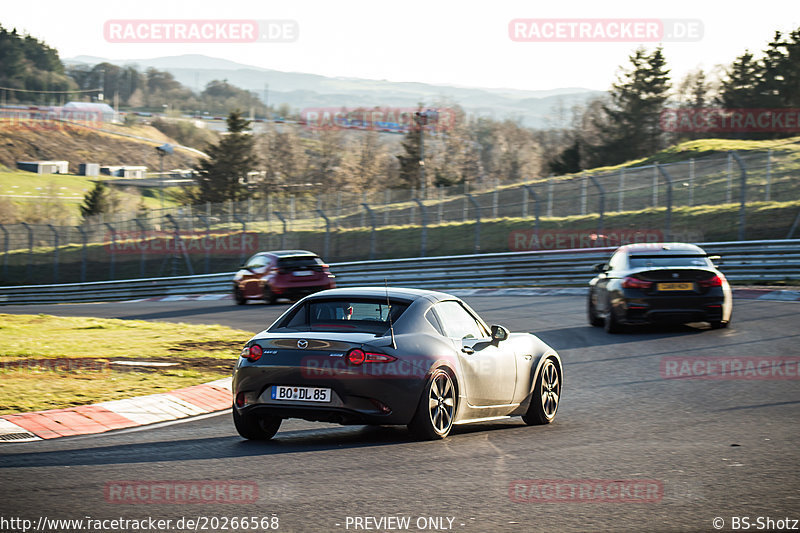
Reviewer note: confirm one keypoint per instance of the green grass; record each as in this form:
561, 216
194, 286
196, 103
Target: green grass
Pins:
35, 373
21, 188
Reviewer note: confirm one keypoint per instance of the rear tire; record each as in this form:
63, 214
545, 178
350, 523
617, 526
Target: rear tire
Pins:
256, 427
436, 409
594, 320
611, 323
546, 396
268, 295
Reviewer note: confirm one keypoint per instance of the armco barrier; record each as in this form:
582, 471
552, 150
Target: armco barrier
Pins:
747, 261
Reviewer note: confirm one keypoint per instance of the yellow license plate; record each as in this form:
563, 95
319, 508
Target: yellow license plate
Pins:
676, 286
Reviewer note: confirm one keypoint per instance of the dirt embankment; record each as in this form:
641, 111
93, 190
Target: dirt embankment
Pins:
82, 145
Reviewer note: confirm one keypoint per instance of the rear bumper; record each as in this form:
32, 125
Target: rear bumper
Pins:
354, 400
639, 309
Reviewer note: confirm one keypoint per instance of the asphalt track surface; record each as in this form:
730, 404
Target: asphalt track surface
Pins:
718, 448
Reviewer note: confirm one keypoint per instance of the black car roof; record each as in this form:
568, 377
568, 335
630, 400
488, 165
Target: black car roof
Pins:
662, 248
394, 292
287, 253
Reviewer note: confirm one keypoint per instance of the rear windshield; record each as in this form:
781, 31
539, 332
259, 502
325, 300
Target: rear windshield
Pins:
299, 261
640, 261
344, 314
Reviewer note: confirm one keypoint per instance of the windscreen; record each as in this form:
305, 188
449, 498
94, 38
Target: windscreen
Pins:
299, 261
345, 314
642, 261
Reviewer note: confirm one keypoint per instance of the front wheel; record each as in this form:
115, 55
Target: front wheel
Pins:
268, 295
437, 408
238, 296
256, 427
546, 396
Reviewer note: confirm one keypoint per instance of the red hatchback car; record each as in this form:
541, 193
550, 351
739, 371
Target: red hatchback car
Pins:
281, 274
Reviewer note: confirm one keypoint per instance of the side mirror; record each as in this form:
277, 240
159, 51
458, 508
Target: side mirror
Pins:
599, 267
499, 333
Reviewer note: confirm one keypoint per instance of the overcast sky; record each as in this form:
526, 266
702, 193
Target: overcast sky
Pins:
442, 42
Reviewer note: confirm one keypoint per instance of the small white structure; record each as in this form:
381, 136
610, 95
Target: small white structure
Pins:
44, 167
125, 171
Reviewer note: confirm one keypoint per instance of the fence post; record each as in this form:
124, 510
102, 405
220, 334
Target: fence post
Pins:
142, 238
84, 240
114, 247
466, 200
55, 253
621, 192
529, 191
602, 206
5, 252
477, 206
283, 235
742, 193
321, 213
550, 187
656, 169
30, 250
387, 199
441, 204
769, 175
495, 196
424, 237
244, 232
584, 188
372, 233
729, 187
668, 179
691, 182
204, 220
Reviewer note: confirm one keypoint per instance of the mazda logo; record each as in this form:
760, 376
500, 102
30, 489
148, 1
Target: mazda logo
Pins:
302, 344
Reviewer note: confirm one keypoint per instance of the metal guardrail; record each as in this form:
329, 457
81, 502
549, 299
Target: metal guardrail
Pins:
749, 261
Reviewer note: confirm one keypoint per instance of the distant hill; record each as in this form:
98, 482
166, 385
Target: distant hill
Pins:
300, 90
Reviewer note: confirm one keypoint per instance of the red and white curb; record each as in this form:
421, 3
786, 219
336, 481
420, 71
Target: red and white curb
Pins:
117, 414
744, 293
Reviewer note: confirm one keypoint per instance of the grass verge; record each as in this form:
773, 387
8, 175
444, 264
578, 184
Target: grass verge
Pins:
50, 362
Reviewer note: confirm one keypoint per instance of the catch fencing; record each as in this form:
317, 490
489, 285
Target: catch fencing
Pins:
720, 198
750, 261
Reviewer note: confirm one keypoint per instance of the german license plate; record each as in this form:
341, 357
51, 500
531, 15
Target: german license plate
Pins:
676, 286
301, 394
302, 273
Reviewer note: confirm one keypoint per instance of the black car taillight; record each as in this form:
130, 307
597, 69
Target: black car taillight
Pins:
356, 357
636, 283
255, 353
715, 281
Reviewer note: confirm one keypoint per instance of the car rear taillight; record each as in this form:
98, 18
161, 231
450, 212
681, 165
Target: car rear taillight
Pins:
715, 281
255, 353
636, 283
356, 356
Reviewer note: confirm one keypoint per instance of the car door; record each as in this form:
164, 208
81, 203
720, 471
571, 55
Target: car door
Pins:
489, 368
612, 271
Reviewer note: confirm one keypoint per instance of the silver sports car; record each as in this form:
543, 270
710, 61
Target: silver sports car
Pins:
410, 357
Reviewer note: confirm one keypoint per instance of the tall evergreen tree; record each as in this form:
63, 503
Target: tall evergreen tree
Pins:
223, 175
96, 201
630, 128
741, 86
409, 159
